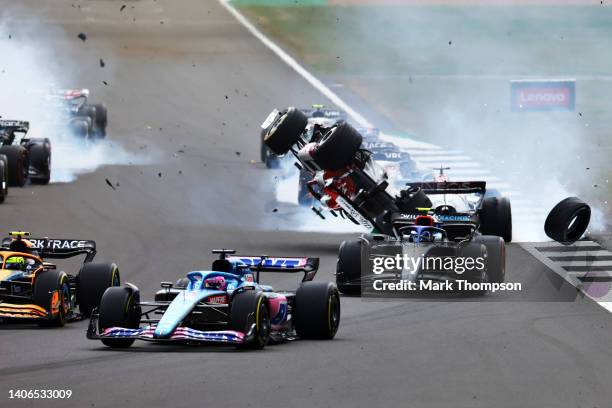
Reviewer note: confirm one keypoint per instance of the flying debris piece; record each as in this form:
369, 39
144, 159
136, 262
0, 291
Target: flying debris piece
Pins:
275, 210
122, 7
110, 184
238, 154
82, 37
102, 64
159, 174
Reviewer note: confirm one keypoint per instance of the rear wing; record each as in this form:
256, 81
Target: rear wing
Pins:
309, 266
451, 187
54, 248
326, 113
15, 125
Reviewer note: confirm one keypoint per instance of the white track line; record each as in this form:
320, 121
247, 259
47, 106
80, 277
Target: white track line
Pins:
289, 60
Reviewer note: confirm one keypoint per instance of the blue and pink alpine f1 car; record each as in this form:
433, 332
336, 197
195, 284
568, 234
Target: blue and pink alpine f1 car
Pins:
224, 305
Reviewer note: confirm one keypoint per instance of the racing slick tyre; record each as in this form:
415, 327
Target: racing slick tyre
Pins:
496, 257
81, 128
338, 147
100, 121
285, 131
474, 250
118, 308
317, 310
94, 279
40, 159
2, 181
348, 268
568, 220
18, 164
248, 308
496, 217
51, 291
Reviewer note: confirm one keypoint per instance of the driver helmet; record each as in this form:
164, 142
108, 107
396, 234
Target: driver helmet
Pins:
217, 282
16, 263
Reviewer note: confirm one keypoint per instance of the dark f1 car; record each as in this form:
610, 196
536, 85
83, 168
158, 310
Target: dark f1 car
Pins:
224, 305
346, 180
25, 157
84, 120
32, 289
319, 115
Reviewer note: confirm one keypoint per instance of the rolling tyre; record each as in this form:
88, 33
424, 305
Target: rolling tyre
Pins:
338, 147
568, 220
101, 120
474, 250
2, 181
52, 292
348, 268
118, 308
248, 308
317, 310
496, 217
40, 159
496, 257
94, 279
285, 131
18, 164
81, 128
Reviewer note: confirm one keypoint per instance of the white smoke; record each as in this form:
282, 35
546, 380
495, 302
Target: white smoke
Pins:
29, 68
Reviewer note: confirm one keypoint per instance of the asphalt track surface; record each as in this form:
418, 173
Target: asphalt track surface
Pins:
207, 83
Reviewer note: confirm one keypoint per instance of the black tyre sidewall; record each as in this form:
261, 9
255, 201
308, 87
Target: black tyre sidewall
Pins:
40, 158
338, 147
316, 305
45, 284
496, 257
94, 279
558, 220
250, 307
18, 164
496, 217
286, 131
118, 309
348, 267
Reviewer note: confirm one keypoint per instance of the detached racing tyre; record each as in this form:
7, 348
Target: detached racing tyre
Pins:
40, 159
18, 164
52, 292
317, 310
568, 220
496, 257
118, 308
338, 147
248, 308
285, 131
94, 279
496, 218
101, 121
348, 268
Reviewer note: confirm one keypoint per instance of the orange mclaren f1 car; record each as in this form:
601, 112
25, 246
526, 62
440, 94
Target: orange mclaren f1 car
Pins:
32, 289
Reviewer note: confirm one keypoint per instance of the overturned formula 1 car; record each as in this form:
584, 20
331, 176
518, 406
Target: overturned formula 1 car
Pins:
450, 218
224, 305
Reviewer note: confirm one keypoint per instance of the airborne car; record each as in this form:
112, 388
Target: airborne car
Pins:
26, 158
224, 305
318, 115
32, 289
348, 182
82, 119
